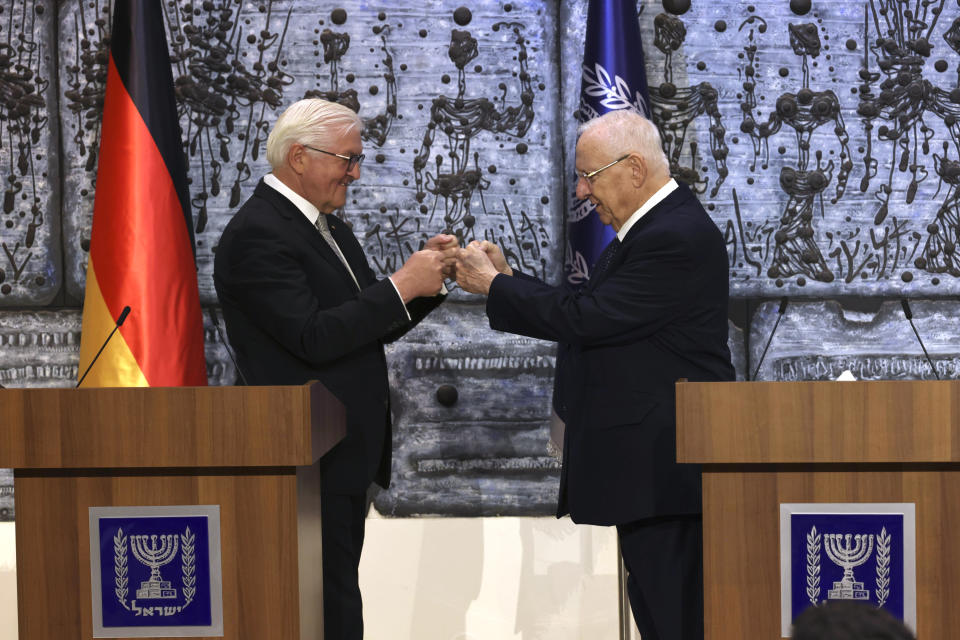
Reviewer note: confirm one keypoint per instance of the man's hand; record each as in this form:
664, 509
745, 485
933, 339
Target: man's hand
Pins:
421, 275
475, 272
496, 257
448, 246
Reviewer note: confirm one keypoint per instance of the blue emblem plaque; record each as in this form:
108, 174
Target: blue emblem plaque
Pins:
855, 551
155, 571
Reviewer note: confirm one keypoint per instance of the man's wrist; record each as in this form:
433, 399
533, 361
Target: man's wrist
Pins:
489, 282
402, 301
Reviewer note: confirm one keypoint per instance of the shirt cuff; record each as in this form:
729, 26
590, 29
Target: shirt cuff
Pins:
405, 310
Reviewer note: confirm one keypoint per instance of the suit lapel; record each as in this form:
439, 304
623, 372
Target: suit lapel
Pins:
302, 227
349, 247
677, 196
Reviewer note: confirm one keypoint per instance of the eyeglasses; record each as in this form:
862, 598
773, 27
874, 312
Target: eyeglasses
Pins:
353, 160
591, 175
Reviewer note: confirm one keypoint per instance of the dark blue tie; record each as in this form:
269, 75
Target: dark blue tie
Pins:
603, 262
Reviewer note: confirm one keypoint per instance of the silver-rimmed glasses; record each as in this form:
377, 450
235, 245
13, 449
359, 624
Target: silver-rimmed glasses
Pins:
353, 160
592, 174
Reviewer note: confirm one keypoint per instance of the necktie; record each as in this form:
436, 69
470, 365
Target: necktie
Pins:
324, 230
603, 262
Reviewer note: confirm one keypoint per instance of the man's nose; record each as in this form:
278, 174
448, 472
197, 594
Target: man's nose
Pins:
355, 172
583, 188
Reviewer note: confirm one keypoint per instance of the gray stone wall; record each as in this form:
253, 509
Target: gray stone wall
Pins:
829, 163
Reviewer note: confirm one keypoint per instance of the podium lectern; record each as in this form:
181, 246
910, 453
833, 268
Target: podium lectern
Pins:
764, 444
251, 450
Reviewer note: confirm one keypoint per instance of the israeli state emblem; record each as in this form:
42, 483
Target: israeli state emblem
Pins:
155, 571
854, 551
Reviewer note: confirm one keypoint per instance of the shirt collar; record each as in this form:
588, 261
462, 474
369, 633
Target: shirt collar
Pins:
301, 203
651, 202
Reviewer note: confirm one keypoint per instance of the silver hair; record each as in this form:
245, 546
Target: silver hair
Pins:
625, 131
315, 122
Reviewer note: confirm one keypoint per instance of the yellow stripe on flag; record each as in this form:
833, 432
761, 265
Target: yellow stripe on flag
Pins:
116, 367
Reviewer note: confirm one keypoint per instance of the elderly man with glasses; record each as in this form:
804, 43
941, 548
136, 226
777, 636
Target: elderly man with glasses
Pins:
653, 311
301, 303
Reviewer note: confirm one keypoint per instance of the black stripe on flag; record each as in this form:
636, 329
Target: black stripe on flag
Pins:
139, 49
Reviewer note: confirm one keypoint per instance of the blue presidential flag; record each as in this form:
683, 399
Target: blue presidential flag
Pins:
156, 571
613, 78
861, 552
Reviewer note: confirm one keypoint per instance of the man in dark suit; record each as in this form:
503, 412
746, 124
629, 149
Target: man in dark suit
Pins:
653, 311
301, 303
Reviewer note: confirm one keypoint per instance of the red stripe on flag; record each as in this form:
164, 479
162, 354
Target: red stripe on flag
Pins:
141, 249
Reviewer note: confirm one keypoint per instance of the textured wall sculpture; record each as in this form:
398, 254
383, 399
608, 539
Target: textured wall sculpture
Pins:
31, 272
824, 142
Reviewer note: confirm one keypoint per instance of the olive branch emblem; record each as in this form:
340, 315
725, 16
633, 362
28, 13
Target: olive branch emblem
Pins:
120, 579
577, 269
813, 566
615, 92
883, 567
188, 561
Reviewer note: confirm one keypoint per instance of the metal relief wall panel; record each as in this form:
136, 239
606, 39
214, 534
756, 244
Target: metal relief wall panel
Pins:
39, 349
30, 265
459, 108
820, 340
472, 149
471, 413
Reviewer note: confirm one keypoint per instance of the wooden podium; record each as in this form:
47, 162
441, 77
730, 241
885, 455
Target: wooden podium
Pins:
767, 443
250, 450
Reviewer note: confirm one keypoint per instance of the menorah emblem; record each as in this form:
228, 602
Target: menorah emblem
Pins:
844, 554
155, 557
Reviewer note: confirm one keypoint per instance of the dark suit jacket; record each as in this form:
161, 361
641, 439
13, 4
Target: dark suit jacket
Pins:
294, 314
657, 314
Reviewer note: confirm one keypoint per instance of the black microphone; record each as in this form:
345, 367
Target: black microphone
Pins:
783, 307
909, 315
120, 321
216, 325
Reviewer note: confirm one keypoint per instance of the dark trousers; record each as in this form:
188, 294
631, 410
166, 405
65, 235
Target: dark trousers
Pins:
342, 528
664, 559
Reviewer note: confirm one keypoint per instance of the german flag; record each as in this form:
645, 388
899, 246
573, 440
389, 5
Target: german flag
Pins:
141, 247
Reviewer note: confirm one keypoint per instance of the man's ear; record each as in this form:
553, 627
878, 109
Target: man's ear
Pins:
638, 170
296, 158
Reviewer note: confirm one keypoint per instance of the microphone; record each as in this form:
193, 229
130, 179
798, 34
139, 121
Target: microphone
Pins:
783, 307
216, 325
120, 321
909, 315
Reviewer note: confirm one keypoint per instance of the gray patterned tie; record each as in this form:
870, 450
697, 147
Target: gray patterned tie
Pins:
324, 230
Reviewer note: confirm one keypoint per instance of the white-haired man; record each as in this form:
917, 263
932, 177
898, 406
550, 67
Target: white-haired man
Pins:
301, 303
654, 311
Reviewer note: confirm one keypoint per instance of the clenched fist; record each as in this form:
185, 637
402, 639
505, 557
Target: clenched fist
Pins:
475, 271
421, 275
